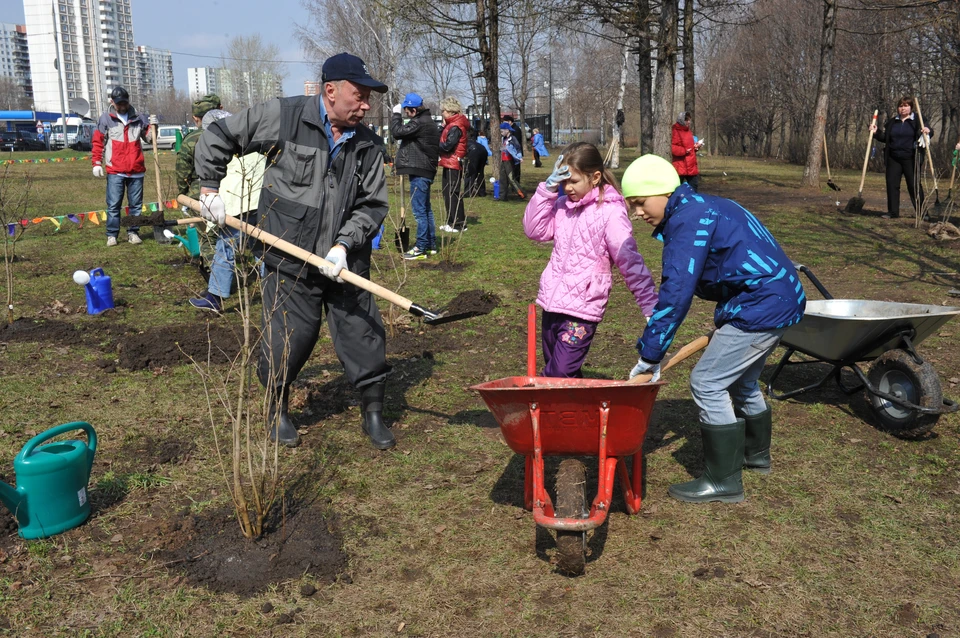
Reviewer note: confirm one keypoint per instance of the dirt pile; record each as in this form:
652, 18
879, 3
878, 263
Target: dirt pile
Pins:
175, 345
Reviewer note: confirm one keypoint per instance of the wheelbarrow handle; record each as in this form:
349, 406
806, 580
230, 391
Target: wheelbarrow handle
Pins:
312, 259
691, 348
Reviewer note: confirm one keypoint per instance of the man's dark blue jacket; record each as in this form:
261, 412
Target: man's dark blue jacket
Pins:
717, 250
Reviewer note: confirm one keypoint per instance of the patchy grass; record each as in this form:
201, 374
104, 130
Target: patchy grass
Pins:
852, 535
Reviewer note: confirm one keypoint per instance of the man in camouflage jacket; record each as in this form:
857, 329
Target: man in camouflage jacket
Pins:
188, 182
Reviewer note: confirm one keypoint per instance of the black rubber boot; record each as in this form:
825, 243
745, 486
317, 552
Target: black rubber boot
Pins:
756, 447
282, 430
723, 458
371, 407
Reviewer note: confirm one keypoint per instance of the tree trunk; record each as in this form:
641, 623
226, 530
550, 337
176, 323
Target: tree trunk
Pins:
645, 77
663, 115
618, 117
811, 172
689, 79
488, 41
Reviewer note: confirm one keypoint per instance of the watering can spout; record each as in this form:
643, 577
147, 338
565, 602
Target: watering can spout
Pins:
181, 240
10, 497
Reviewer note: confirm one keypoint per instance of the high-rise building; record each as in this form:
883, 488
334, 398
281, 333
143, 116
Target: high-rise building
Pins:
94, 42
237, 89
154, 70
14, 56
311, 87
203, 81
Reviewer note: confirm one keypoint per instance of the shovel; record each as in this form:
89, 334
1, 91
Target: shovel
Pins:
855, 205
936, 192
826, 158
693, 347
157, 220
429, 316
158, 235
402, 238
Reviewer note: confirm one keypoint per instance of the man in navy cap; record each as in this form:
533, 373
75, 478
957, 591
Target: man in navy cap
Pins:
417, 157
324, 190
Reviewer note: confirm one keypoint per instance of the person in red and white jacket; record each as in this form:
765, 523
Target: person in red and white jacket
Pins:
118, 154
684, 149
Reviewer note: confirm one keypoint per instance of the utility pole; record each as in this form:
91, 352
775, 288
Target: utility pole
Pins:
550, 81
57, 64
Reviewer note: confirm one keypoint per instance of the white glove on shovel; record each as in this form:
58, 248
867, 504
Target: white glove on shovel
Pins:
650, 368
213, 209
337, 256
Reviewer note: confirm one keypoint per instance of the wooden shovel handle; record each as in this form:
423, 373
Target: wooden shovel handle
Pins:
866, 156
156, 162
826, 158
926, 143
693, 347
312, 259
403, 201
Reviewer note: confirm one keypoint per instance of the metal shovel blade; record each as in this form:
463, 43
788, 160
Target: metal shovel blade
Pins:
470, 303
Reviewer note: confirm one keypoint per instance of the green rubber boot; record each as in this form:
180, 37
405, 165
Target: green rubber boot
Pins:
756, 447
723, 459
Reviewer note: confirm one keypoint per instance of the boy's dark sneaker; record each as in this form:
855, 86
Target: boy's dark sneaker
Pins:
414, 253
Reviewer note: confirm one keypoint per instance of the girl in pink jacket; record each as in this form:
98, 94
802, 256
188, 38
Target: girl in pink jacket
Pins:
590, 231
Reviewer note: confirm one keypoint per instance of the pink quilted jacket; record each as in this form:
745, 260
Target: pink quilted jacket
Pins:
587, 239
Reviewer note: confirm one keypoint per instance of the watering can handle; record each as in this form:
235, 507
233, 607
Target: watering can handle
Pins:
63, 429
96, 272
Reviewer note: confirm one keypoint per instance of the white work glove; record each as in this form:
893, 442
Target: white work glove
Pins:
398, 109
98, 171
337, 256
153, 120
644, 367
560, 172
213, 209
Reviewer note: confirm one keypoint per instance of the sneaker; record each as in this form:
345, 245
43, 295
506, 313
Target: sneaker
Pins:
134, 238
447, 228
111, 241
208, 302
414, 253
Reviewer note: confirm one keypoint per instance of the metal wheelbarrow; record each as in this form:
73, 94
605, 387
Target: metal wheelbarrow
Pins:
902, 389
541, 416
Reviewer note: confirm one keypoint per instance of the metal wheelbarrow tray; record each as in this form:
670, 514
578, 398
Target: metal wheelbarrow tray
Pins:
903, 390
543, 416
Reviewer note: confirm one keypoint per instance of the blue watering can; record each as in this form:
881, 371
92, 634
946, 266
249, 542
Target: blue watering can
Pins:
51, 492
99, 292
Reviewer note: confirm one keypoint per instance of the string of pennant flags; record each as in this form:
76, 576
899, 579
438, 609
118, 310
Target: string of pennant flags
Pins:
93, 216
58, 160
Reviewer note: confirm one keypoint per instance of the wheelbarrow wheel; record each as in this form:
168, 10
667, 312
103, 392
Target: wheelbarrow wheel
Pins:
571, 503
895, 372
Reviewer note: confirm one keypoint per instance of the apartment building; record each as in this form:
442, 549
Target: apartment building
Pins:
14, 56
154, 70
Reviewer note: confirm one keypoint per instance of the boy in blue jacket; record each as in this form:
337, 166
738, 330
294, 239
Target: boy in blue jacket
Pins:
715, 249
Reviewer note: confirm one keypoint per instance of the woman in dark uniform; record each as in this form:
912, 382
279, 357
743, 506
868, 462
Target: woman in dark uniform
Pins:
902, 154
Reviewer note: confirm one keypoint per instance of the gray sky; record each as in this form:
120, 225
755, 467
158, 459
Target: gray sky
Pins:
192, 28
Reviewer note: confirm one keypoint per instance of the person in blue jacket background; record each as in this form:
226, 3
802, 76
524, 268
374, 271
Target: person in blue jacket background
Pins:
539, 148
715, 249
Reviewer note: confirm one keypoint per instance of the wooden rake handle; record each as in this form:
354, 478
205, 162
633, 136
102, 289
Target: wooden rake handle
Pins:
926, 143
312, 259
866, 156
691, 348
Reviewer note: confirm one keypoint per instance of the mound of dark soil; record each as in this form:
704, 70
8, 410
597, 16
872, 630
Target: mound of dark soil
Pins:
175, 345
61, 333
472, 303
215, 555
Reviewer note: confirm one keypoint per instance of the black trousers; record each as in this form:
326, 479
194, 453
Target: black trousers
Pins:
516, 171
908, 168
474, 184
452, 186
693, 180
536, 159
292, 311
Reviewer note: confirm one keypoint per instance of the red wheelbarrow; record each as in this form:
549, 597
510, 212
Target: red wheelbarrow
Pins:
542, 416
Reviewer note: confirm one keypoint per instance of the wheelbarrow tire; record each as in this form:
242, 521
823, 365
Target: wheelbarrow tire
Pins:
895, 372
571, 503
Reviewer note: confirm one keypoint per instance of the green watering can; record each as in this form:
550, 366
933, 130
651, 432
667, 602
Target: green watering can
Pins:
51, 493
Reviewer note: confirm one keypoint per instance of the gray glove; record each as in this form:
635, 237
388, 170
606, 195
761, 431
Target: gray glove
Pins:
560, 172
153, 120
337, 256
650, 368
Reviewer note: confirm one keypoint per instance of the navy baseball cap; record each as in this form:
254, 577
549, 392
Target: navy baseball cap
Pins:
344, 66
119, 94
412, 101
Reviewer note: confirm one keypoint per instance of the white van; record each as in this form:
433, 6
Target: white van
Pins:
74, 125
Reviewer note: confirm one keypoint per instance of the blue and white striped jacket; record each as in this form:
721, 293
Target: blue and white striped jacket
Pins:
716, 249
